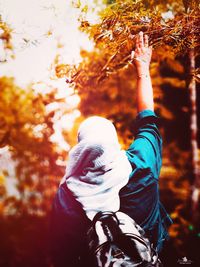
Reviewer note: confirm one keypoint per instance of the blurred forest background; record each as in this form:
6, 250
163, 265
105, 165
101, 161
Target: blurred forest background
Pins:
39, 119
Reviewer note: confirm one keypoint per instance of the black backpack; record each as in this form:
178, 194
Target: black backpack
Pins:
116, 240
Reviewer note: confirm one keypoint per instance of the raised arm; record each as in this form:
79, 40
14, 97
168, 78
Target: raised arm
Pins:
141, 58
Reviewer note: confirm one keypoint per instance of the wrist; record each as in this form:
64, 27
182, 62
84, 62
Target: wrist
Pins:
143, 74
142, 69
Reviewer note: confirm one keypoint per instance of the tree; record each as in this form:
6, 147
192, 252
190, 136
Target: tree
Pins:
114, 41
27, 120
26, 128
193, 120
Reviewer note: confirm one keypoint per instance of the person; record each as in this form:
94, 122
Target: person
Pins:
101, 177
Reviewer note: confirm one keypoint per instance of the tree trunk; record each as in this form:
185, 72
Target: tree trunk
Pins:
194, 145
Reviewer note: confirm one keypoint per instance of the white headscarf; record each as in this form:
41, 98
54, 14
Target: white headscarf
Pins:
97, 168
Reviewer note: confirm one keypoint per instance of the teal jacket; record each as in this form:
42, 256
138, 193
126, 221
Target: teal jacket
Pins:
139, 199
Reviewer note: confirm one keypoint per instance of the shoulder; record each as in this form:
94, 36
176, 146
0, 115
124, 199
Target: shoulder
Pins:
66, 206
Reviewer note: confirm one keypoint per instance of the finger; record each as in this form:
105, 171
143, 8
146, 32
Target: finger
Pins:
150, 49
146, 40
141, 39
132, 55
137, 41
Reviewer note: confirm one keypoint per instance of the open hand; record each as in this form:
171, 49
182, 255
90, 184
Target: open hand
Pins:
142, 54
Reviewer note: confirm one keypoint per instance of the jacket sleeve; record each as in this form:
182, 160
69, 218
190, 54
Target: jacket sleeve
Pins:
140, 197
145, 153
